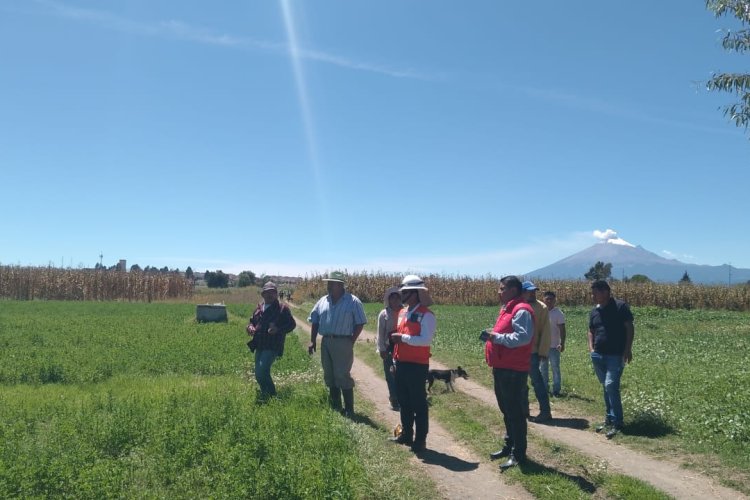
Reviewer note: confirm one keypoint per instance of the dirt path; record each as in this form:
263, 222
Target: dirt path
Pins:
456, 471
663, 475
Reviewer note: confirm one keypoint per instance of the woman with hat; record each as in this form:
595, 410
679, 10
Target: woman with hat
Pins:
387, 322
411, 355
268, 327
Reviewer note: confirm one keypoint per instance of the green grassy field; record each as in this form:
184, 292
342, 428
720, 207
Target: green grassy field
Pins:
102, 400
686, 392
112, 400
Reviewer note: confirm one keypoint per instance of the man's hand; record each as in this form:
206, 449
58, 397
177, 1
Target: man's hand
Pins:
561, 348
396, 338
311, 348
250, 330
628, 356
272, 328
383, 355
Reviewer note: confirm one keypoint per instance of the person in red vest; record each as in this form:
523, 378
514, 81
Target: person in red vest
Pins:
508, 351
411, 356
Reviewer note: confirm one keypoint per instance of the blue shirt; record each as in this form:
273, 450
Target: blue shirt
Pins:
338, 319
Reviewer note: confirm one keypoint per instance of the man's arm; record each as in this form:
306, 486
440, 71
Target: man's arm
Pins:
312, 347
523, 331
382, 347
426, 333
357, 331
591, 341
629, 334
544, 333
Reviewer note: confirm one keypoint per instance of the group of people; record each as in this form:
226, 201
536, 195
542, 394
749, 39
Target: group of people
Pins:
527, 339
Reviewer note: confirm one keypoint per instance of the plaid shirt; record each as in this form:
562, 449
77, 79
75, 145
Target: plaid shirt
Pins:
275, 313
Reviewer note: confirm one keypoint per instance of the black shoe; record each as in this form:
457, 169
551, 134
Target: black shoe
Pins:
402, 439
505, 452
613, 431
418, 446
348, 414
511, 462
542, 417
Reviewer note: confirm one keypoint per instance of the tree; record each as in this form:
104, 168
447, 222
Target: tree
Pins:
738, 41
246, 278
640, 278
685, 279
135, 268
189, 273
599, 271
217, 279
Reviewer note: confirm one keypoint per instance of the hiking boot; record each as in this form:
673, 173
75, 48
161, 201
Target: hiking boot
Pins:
505, 452
403, 439
511, 462
613, 431
418, 446
542, 417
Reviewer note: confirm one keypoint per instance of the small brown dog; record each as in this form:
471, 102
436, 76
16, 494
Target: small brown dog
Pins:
447, 376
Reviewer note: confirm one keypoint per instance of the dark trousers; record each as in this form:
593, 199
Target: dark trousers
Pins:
509, 391
412, 398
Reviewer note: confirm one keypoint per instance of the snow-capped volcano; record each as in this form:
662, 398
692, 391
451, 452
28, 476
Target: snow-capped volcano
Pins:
628, 260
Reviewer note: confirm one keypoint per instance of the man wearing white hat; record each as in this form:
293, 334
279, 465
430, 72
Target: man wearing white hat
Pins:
339, 318
411, 355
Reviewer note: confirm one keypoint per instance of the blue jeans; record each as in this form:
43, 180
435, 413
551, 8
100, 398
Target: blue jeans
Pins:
263, 361
554, 361
540, 390
608, 369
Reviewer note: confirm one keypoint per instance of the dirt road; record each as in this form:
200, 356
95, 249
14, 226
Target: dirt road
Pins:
663, 475
456, 471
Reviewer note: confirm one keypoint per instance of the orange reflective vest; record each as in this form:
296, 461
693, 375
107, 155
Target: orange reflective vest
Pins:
411, 325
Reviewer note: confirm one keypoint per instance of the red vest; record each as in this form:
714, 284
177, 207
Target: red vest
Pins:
411, 353
500, 356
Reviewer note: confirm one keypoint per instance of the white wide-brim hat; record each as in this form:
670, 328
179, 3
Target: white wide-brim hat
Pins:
414, 282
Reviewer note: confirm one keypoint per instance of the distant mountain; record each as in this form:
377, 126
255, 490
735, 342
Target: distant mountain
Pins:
628, 260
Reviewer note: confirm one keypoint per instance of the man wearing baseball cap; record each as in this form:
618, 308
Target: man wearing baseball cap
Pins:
339, 318
268, 327
539, 351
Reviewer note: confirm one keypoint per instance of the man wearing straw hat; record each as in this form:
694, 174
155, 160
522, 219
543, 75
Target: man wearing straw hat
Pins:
411, 355
339, 318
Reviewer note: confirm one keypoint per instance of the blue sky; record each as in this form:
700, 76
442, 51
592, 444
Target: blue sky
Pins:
289, 137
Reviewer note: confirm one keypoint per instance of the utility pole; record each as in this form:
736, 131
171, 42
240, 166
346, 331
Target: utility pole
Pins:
730, 274
101, 256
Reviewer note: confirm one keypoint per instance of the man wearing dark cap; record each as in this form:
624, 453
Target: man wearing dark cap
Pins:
268, 327
611, 335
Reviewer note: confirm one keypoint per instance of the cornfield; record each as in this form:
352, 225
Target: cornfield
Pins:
464, 290
50, 283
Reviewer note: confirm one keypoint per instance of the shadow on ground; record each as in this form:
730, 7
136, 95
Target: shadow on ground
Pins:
570, 423
532, 468
447, 461
648, 425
